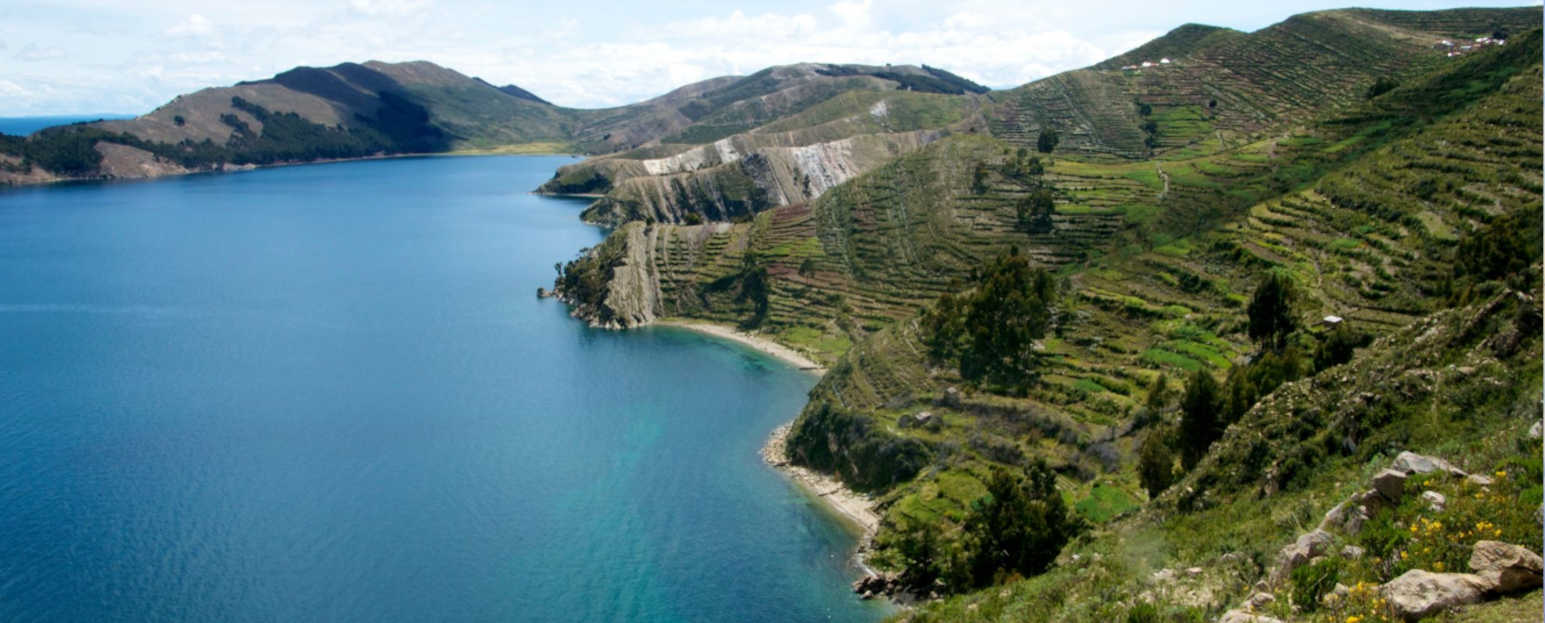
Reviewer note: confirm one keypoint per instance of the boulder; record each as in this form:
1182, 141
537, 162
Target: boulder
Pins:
1534, 431
1353, 523
921, 419
1390, 483
1435, 500
1479, 480
1413, 463
1505, 567
1336, 595
1352, 552
951, 398
1335, 516
1417, 593
1259, 600
1295, 555
1240, 616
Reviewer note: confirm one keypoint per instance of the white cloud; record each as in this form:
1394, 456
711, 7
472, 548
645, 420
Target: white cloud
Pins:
137, 55
194, 25
388, 7
33, 52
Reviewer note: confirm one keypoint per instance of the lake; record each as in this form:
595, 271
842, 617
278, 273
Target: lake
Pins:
329, 393
22, 126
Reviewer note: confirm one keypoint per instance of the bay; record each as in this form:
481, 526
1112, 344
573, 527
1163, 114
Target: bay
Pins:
329, 393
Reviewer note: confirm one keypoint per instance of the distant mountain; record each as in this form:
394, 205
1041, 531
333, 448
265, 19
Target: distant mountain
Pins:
781, 136
374, 108
520, 93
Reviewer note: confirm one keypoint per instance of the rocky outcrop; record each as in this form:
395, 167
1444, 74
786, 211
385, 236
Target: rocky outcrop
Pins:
617, 286
634, 291
1505, 568
731, 178
1417, 593
1301, 551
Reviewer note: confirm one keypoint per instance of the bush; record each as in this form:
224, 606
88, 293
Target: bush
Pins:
1312, 581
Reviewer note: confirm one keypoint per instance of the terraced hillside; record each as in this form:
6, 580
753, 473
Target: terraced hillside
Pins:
1373, 209
1224, 85
802, 129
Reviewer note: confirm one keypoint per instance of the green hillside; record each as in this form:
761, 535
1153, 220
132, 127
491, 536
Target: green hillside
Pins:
1409, 211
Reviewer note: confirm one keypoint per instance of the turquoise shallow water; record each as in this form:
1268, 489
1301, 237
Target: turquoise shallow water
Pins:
328, 393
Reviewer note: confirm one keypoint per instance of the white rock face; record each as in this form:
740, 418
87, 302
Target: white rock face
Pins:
720, 152
1417, 593
825, 164
879, 110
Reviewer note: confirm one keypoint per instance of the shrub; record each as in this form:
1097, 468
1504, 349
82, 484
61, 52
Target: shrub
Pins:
1312, 581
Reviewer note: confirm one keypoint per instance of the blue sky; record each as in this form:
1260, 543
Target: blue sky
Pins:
79, 56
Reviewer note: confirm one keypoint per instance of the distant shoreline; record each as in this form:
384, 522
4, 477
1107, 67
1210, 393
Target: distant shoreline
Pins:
522, 149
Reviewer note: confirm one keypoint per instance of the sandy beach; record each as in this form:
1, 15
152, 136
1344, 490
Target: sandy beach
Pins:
856, 510
769, 347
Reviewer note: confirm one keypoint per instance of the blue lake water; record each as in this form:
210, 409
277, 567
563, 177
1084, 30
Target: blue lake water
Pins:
22, 126
328, 393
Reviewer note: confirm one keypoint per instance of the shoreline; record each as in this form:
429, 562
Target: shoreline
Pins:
755, 342
226, 167
855, 511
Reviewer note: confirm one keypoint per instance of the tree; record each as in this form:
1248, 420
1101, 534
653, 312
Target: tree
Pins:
1018, 527
1198, 418
1006, 314
1033, 212
943, 326
1156, 393
1155, 464
1271, 310
979, 178
1047, 141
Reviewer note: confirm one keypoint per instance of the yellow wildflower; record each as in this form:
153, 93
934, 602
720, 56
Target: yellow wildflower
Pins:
1438, 565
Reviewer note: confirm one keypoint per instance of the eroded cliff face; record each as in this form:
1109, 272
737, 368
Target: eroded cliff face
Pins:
726, 180
614, 285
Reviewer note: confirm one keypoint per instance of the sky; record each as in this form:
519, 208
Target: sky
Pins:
115, 56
